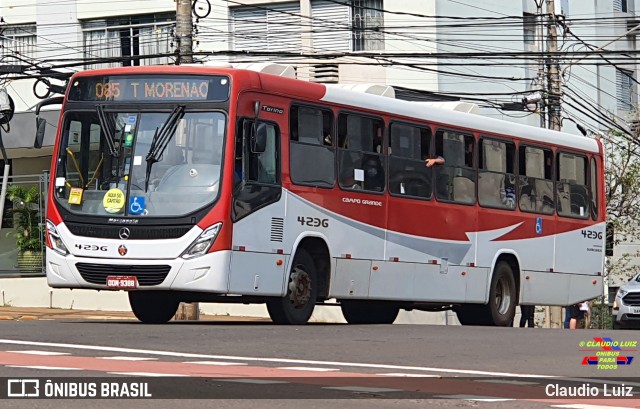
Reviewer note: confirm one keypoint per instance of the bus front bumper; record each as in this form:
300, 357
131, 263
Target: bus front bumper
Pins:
207, 273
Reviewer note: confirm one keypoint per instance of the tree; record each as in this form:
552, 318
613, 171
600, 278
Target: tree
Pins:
622, 195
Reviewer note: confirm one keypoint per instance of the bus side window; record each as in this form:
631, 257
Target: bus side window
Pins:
593, 179
535, 183
262, 167
360, 161
311, 143
496, 177
456, 180
571, 186
408, 175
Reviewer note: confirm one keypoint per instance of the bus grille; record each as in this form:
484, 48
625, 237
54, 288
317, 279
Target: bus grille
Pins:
137, 232
146, 275
632, 299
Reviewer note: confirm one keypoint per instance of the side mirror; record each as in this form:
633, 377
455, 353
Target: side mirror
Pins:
41, 126
258, 138
41, 123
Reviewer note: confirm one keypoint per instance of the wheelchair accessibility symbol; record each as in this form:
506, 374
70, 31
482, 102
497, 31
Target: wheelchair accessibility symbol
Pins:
539, 225
136, 205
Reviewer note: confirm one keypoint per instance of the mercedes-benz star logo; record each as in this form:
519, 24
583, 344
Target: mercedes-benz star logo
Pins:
124, 233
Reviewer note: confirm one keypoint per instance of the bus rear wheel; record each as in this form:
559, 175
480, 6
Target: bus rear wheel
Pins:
501, 308
153, 307
302, 292
369, 312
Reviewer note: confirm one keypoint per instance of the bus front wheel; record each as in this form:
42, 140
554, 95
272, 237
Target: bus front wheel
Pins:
302, 292
153, 307
502, 296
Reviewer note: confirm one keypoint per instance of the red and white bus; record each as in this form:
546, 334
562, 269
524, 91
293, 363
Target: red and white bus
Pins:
203, 184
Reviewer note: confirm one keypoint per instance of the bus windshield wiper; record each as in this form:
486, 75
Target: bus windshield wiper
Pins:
161, 139
107, 123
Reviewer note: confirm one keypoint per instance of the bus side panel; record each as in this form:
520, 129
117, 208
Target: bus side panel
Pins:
260, 235
350, 278
530, 236
581, 249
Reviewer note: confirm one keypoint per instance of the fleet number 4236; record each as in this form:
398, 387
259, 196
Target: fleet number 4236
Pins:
591, 234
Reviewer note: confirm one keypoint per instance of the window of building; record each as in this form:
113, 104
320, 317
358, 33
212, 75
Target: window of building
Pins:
361, 162
368, 22
456, 179
624, 89
593, 179
496, 176
18, 39
529, 27
409, 147
129, 36
620, 6
266, 28
535, 185
312, 143
571, 186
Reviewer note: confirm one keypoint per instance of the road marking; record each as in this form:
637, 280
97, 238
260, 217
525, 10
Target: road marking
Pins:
215, 363
53, 368
152, 374
506, 381
127, 358
361, 389
474, 398
306, 368
252, 381
49, 353
584, 406
409, 375
276, 360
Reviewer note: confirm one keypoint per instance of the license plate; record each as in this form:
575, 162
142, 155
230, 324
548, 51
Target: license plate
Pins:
636, 311
122, 282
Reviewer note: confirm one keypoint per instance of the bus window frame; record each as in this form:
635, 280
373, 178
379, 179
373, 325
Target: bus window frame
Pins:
524, 144
505, 140
430, 149
474, 166
556, 167
334, 141
383, 154
593, 162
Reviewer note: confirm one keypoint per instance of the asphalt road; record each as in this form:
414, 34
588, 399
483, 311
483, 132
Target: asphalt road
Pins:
443, 366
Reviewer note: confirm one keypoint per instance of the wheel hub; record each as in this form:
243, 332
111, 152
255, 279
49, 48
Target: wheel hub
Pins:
299, 288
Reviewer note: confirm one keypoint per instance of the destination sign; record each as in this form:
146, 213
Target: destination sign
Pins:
150, 88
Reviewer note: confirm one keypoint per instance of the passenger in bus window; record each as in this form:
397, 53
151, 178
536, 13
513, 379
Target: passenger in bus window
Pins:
434, 161
508, 194
373, 174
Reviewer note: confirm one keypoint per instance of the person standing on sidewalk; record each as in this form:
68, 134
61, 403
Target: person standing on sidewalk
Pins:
527, 313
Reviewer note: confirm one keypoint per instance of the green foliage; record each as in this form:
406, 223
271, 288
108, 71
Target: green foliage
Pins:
26, 219
622, 195
601, 316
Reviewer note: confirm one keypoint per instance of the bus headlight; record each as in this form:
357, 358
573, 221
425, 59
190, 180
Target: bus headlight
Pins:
54, 241
203, 243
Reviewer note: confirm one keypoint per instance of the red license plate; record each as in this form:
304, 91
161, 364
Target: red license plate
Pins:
122, 282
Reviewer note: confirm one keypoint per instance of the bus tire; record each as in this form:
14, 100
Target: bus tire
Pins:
153, 307
472, 314
501, 309
369, 312
302, 292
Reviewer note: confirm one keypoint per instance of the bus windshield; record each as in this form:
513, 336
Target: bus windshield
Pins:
145, 164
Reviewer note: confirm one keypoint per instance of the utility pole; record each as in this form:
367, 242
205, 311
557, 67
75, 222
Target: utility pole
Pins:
184, 35
184, 32
554, 91
553, 71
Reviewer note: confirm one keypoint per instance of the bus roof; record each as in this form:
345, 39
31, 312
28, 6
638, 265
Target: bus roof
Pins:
338, 95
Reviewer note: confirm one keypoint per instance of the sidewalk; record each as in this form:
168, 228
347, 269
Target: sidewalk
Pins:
29, 314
